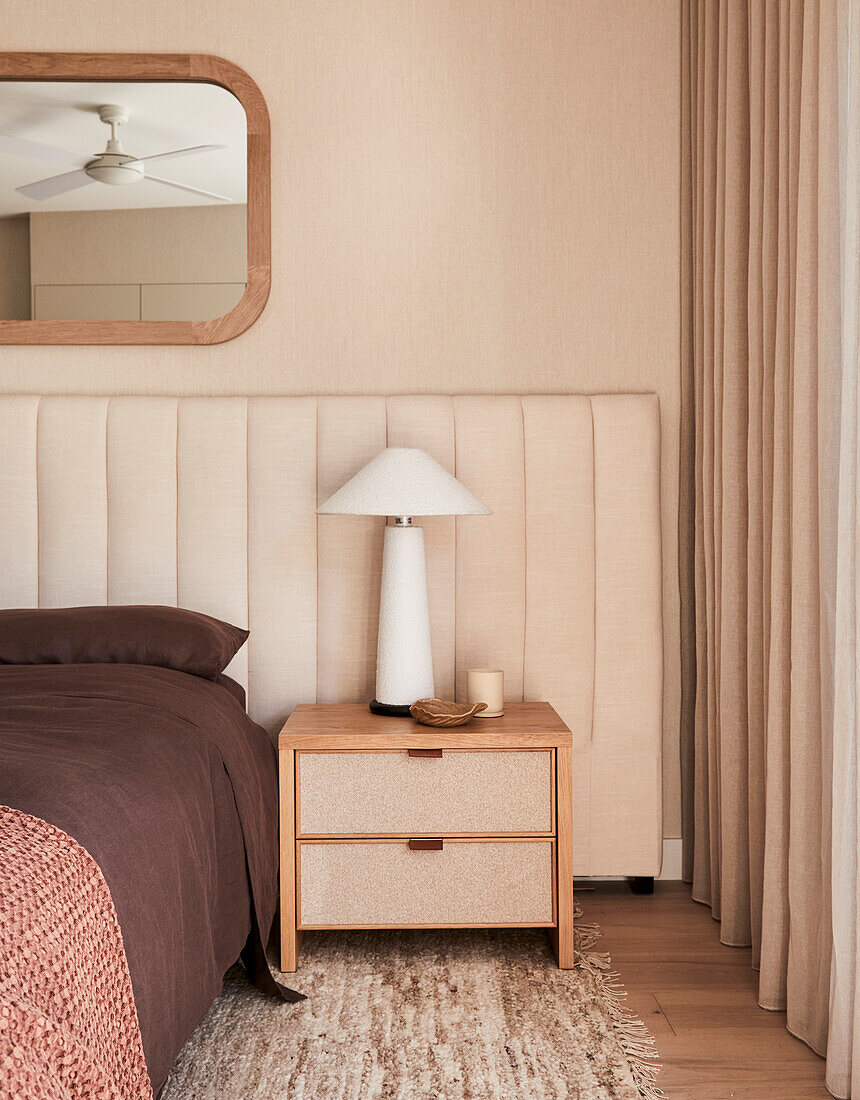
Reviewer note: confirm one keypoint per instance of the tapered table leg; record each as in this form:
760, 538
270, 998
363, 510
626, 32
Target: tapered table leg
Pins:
287, 783
562, 935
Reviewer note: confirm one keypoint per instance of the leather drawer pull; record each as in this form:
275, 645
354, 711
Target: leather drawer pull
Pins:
425, 845
435, 753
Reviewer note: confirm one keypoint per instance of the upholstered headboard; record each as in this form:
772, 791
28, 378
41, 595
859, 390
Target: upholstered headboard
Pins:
209, 503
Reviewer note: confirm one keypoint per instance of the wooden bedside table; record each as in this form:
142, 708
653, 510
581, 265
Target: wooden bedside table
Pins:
389, 824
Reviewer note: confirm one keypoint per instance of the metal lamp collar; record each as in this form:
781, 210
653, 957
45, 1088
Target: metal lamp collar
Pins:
403, 521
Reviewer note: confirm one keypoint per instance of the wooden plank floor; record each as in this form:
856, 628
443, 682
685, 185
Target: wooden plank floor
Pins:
698, 998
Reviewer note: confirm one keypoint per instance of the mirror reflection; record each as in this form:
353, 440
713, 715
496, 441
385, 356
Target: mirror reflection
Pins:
121, 201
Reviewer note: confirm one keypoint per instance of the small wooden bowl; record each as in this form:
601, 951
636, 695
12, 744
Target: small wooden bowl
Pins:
443, 713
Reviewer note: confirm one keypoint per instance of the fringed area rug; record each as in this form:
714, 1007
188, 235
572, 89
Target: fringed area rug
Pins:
452, 1015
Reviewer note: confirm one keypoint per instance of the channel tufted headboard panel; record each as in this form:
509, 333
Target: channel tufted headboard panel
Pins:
209, 503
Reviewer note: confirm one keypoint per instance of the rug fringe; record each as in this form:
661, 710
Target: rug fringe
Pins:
636, 1040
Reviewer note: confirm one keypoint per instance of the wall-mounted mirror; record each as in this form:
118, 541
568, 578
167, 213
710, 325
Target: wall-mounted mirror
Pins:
132, 210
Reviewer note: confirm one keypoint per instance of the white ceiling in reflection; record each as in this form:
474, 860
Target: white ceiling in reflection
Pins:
162, 117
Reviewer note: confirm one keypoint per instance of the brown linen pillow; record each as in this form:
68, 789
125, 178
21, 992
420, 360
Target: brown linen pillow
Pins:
168, 637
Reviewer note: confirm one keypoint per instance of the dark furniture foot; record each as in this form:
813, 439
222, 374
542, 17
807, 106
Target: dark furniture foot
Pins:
641, 884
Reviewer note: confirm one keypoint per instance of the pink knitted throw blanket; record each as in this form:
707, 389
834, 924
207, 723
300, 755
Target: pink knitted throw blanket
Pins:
68, 1024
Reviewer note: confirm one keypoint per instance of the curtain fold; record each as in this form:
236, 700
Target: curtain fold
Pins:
843, 1051
764, 533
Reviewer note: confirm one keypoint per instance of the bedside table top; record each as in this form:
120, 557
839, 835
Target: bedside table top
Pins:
352, 725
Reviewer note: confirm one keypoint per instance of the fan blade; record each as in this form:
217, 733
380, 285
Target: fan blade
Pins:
35, 150
55, 185
185, 187
181, 153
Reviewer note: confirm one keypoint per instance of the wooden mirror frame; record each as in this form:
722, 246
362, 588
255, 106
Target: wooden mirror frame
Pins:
176, 67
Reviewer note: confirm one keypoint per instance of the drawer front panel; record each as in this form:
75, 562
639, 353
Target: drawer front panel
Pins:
356, 883
394, 793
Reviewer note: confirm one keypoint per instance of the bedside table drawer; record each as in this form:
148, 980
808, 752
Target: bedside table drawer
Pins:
379, 883
393, 793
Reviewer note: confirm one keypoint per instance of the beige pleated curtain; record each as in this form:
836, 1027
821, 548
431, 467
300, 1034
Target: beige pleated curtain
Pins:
764, 154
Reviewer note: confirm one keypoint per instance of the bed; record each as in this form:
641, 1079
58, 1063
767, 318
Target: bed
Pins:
209, 503
161, 777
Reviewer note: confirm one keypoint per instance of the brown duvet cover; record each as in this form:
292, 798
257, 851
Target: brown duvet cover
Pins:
166, 782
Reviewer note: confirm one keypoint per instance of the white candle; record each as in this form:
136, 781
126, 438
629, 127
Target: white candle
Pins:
487, 685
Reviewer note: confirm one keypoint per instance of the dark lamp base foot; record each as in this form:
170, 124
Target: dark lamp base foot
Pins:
389, 709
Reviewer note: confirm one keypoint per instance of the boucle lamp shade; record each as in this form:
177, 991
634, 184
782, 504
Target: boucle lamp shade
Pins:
403, 482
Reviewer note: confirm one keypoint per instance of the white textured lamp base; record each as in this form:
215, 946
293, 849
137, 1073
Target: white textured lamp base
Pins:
404, 658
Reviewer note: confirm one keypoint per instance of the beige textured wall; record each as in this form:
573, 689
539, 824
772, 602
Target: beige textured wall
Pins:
468, 196
15, 268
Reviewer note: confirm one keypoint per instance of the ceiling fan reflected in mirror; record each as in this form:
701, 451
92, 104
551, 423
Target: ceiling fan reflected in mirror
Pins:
114, 166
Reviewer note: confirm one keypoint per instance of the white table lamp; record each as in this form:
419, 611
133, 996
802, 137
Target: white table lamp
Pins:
403, 482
